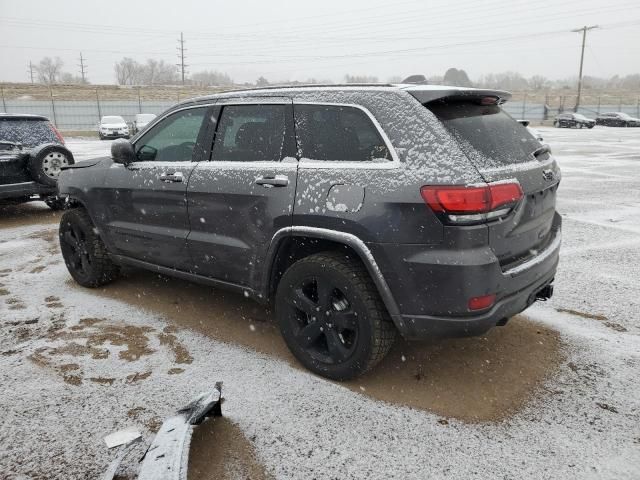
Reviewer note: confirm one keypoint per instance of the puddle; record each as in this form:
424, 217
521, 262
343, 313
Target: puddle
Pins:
220, 450
475, 379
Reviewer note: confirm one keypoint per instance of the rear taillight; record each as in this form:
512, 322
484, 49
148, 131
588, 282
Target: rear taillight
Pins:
57, 133
472, 204
481, 303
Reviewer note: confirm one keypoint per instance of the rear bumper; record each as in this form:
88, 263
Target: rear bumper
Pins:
432, 286
425, 326
25, 189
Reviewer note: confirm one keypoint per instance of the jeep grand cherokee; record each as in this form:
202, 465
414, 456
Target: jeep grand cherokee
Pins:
360, 212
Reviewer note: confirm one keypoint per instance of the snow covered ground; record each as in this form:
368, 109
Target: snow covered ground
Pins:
75, 365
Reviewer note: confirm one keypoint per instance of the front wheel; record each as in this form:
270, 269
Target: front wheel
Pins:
84, 253
331, 316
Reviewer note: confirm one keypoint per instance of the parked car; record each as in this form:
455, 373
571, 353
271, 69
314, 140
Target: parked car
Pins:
573, 120
141, 121
113, 126
357, 211
617, 119
32, 154
534, 131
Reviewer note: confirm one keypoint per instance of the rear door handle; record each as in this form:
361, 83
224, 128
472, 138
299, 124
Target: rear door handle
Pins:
171, 177
269, 181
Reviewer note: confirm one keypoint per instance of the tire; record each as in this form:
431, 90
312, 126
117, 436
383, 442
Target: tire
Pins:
101, 136
45, 163
591, 126
556, 124
84, 253
353, 331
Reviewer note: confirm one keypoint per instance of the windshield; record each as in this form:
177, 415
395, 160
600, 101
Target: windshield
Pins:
487, 134
113, 119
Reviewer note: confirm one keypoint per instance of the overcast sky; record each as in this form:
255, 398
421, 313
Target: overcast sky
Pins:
297, 40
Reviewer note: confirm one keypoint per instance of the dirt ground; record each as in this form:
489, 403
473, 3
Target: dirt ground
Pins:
475, 379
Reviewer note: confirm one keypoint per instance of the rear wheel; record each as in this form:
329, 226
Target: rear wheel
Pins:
84, 253
331, 316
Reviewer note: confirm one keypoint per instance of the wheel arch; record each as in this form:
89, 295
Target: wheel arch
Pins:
291, 244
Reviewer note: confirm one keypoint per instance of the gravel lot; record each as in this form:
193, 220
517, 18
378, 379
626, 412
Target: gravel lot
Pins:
554, 394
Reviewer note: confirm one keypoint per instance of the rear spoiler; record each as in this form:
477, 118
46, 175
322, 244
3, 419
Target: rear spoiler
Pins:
431, 93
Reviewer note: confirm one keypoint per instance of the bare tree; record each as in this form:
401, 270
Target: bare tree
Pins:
154, 72
69, 78
49, 70
456, 77
209, 77
538, 82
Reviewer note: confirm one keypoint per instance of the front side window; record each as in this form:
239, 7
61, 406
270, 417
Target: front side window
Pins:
173, 139
328, 132
250, 133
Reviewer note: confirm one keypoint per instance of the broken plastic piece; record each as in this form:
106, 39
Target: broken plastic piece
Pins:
167, 457
122, 437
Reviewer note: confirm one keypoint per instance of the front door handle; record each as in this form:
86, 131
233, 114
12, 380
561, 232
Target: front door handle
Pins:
269, 181
171, 177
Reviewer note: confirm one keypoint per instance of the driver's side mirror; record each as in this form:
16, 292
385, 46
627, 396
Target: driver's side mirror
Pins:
122, 151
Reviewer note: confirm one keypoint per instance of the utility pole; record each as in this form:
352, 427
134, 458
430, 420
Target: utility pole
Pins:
181, 65
83, 69
584, 38
31, 67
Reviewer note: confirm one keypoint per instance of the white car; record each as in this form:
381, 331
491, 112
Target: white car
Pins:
142, 120
113, 126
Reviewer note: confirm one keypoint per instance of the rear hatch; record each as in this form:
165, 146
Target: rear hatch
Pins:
504, 151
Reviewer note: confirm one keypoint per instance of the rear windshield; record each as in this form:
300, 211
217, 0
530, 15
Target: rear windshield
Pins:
29, 133
488, 135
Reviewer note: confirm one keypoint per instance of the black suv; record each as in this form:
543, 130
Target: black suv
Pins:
359, 211
32, 154
573, 120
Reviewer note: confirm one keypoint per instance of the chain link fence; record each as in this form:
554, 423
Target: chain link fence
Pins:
81, 107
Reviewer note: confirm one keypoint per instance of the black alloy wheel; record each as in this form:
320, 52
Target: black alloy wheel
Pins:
331, 316
84, 253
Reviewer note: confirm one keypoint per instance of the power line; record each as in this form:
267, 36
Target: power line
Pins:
584, 31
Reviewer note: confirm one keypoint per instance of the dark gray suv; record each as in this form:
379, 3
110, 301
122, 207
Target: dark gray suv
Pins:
359, 211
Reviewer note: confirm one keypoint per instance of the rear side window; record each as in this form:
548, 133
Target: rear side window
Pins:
30, 133
250, 133
328, 132
486, 134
